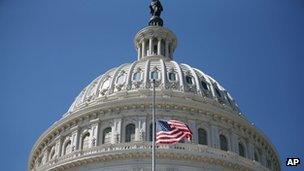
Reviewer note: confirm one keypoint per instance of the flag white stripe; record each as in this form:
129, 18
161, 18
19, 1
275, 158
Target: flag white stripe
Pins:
179, 131
174, 140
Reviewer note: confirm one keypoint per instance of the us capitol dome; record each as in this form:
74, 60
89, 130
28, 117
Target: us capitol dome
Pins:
109, 126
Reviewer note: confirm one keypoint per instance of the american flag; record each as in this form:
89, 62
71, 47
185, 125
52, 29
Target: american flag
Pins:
171, 132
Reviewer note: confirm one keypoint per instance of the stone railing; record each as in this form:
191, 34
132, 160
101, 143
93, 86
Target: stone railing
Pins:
192, 150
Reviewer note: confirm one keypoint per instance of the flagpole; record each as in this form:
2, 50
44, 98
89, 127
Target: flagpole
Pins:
153, 128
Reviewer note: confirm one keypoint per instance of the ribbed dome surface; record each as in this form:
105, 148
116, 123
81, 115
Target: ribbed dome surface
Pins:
169, 75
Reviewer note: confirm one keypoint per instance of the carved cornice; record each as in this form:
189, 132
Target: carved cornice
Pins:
157, 32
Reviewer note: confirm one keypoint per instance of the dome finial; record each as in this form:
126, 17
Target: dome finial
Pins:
155, 9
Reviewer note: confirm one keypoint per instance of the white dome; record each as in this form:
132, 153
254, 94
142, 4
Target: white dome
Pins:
108, 126
171, 77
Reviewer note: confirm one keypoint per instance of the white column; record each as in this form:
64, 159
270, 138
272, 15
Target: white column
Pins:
143, 48
263, 158
171, 51
159, 47
45, 156
94, 132
116, 131
193, 128
167, 49
138, 52
140, 129
215, 140
58, 147
234, 143
150, 46
250, 151
75, 139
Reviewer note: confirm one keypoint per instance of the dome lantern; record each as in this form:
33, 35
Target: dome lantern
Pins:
155, 40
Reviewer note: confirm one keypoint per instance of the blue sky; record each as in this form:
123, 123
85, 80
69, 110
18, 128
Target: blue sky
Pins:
50, 50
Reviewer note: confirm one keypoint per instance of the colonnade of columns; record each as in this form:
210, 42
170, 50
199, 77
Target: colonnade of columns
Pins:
155, 46
142, 133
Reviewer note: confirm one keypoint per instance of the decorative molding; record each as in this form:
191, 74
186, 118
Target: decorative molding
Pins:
180, 152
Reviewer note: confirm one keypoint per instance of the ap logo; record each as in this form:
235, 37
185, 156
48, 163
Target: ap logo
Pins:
292, 161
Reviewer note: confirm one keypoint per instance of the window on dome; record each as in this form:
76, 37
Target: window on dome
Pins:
217, 92
269, 164
256, 156
154, 75
130, 133
67, 148
137, 76
204, 85
172, 76
105, 84
146, 47
223, 143
202, 136
121, 79
163, 47
106, 135
189, 79
241, 150
85, 141
155, 49
150, 132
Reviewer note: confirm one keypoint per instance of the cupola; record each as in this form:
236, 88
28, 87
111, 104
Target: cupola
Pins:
155, 40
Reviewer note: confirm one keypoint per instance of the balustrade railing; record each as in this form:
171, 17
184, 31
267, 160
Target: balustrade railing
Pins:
191, 149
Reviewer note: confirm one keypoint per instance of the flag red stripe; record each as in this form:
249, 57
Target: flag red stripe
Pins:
180, 131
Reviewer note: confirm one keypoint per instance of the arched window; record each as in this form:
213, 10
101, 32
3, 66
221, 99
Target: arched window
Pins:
217, 92
105, 84
137, 76
172, 76
269, 164
154, 75
67, 148
121, 79
85, 141
204, 85
189, 79
150, 132
169, 50
130, 133
223, 143
163, 47
106, 135
202, 136
241, 150
146, 47
256, 156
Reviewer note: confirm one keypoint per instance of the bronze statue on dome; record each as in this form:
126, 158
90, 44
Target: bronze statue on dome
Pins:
155, 9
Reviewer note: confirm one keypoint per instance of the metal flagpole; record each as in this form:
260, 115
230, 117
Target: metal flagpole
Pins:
153, 128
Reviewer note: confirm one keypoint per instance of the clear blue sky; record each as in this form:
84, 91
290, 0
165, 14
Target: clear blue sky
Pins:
51, 49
